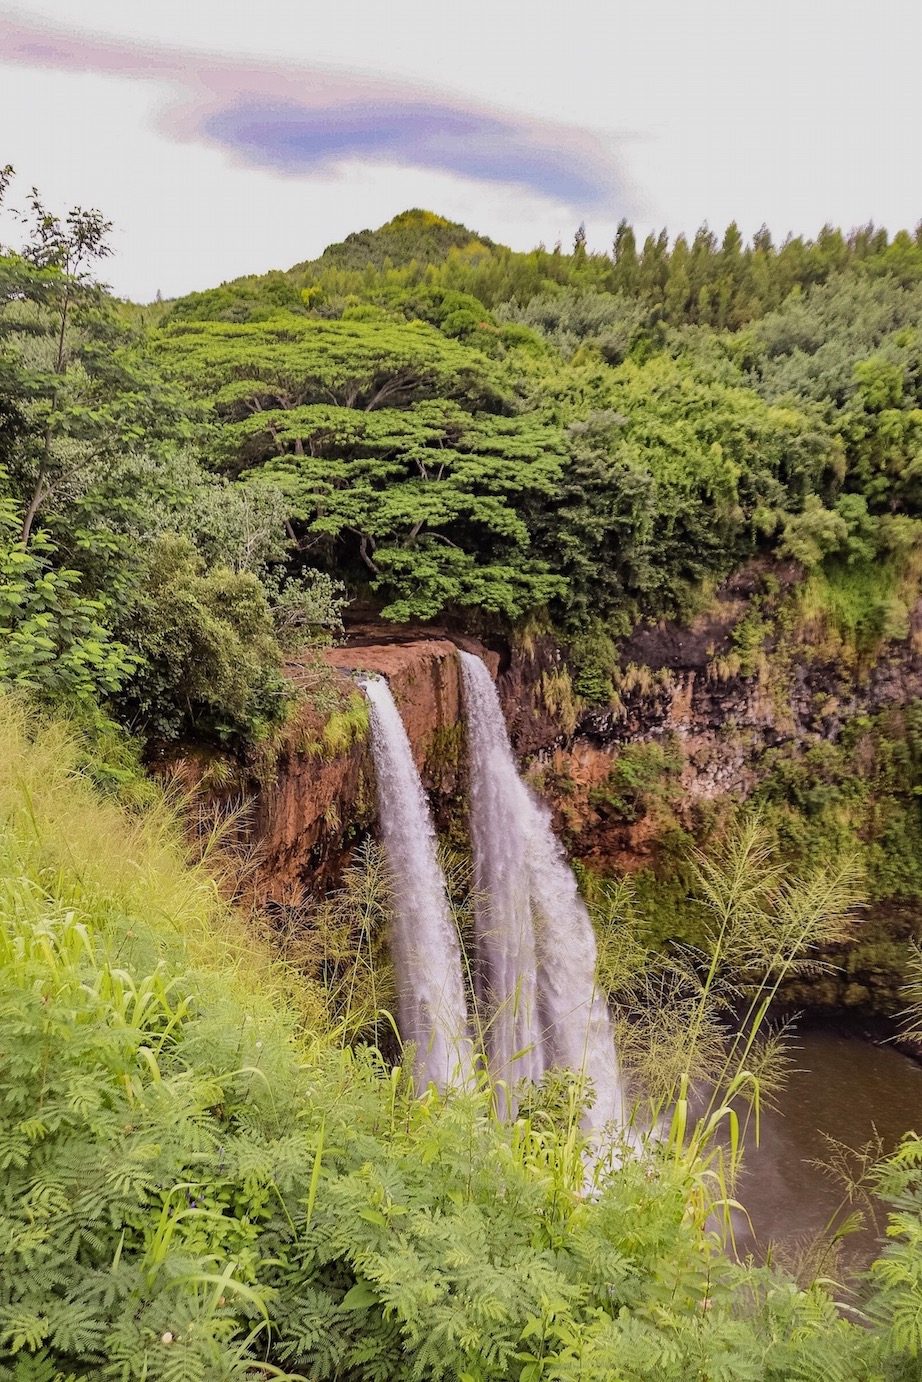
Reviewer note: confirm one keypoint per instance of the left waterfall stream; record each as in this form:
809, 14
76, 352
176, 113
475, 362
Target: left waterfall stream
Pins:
431, 1003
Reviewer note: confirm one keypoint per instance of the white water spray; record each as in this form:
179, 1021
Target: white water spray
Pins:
431, 1006
536, 976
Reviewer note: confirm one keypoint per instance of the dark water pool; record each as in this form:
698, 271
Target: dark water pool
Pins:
845, 1088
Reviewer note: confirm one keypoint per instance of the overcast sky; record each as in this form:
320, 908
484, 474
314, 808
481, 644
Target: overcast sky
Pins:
226, 138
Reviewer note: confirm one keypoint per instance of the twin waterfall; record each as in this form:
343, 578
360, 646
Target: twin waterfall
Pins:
431, 1006
536, 1002
535, 976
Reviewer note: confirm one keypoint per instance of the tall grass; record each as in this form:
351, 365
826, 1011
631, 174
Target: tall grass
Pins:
695, 1026
195, 1188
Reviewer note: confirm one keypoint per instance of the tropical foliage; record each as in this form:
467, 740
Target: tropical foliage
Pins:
193, 1188
215, 1162
454, 431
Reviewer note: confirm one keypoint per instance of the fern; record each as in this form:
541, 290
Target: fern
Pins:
194, 1189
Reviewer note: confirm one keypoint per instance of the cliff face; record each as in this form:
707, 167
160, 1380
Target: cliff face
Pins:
686, 731
686, 736
715, 729
323, 796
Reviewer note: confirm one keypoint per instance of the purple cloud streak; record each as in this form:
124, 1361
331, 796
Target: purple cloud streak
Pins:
298, 120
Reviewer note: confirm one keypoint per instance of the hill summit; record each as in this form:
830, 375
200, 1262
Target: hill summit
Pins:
414, 234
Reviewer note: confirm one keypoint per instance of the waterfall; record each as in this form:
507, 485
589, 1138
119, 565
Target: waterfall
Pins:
535, 976
431, 1005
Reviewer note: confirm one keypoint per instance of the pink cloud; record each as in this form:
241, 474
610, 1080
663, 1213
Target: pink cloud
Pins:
299, 120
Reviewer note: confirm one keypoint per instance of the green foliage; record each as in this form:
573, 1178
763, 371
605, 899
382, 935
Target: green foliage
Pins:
748, 641
426, 499
54, 642
858, 796
812, 346
850, 793
413, 235
207, 657
342, 728
307, 609
669, 474
117, 1042
338, 947
191, 1190
813, 534
896, 1304
581, 320
289, 362
695, 1018
244, 300
850, 609
593, 655
333, 384
674, 471
95, 448
643, 777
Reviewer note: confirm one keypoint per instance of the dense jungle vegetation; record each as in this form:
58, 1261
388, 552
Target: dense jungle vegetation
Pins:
208, 1169
438, 427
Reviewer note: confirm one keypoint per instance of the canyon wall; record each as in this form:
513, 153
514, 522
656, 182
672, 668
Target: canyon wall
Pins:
321, 798
686, 733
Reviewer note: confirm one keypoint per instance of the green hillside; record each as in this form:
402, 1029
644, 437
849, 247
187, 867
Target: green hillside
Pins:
437, 426
200, 1181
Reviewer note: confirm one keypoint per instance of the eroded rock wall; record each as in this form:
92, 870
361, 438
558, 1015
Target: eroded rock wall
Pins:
672, 692
714, 725
322, 798
687, 733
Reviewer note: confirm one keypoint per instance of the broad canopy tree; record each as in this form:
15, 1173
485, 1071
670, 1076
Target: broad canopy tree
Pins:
409, 464
291, 361
392, 444
432, 500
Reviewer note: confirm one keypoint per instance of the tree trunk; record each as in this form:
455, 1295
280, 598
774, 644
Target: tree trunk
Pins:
366, 555
38, 495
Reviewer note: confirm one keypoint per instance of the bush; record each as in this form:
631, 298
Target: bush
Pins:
208, 660
54, 641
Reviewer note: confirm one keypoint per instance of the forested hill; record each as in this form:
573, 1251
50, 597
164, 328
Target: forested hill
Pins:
436, 425
718, 281
594, 435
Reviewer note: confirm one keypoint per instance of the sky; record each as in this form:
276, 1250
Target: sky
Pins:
224, 138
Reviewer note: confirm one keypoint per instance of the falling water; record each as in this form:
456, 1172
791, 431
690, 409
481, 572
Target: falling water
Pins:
535, 977
431, 1006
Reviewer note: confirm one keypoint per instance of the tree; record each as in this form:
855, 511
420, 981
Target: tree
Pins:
678, 284
64, 253
431, 500
579, 242
292, 361
569, 318
205, 647
667, 476
55, 643
626, 261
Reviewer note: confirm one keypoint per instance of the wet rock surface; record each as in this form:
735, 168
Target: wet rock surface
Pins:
711, 731
720, 728
321, 799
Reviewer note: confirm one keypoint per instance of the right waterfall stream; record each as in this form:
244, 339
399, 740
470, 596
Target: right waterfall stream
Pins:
535, 975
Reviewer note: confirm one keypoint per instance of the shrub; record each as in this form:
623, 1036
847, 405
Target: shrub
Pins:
54, 641
208, 660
